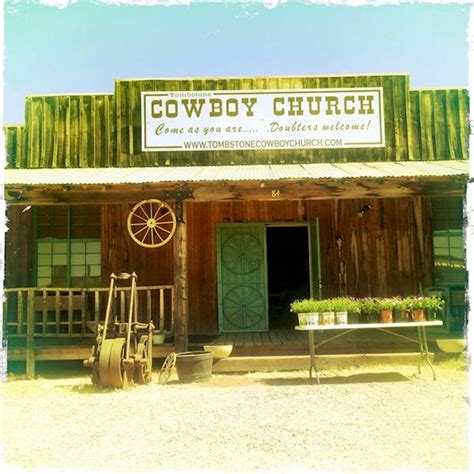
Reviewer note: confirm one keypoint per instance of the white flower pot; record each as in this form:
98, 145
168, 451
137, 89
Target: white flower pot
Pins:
308, 319
341, 317
327, 317
303, 319
313, 319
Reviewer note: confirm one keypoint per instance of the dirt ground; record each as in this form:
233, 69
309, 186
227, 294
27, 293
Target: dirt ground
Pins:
360, 418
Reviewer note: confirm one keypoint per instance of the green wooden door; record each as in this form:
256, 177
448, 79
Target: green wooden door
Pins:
242, 277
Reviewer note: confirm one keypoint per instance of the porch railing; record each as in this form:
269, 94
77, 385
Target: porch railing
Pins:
73, 312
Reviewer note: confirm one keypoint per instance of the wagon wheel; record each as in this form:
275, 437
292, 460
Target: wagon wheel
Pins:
167, 367
151, 223
143, 369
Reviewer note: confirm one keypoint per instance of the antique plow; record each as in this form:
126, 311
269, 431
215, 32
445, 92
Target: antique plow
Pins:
122, 353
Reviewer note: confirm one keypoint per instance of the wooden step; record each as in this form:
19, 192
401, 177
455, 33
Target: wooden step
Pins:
301, 362
73, 352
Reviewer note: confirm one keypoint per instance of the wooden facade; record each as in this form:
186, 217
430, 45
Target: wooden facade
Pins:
90, 131
387, 251
383, 251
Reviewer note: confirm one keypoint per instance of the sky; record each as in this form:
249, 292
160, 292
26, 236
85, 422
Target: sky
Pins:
84, 47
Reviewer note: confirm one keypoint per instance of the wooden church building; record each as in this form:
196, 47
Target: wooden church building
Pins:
231, 197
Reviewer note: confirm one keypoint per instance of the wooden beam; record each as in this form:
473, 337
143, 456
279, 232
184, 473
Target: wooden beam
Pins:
242, 190
180, 269
74, 352
30, 331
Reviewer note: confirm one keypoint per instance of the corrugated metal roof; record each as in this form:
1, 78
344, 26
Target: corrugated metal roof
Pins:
78, 176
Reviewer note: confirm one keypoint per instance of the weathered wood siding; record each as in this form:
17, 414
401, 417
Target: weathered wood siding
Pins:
15, 146
19, 247
128, 94
70, 131
439, 124
386, 251
121, 254
105, 130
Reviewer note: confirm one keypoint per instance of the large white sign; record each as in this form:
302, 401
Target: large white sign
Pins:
262, 120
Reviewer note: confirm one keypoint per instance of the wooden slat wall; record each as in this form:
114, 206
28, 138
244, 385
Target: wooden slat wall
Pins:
15, 146
121, 254
70, 131
19, 247
439, 126
386, 251
129, 121
105, 130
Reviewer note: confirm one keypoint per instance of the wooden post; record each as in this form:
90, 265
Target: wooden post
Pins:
30, 331
180, 270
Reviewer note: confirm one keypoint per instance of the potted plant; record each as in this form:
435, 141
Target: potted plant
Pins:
433, 305
368, 308
308, 310
343, 306
326, 314
402, 313
386, 307
418, 306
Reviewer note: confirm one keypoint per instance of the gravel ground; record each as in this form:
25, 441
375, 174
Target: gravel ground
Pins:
376, 418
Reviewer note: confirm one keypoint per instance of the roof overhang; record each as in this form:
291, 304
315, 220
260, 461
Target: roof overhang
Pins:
197, 174
296, 181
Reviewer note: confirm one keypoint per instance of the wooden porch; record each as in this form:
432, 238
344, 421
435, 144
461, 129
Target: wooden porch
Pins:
281, 342
59, 323
55, 324
73, 312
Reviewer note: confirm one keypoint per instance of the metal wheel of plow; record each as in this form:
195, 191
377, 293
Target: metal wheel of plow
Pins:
166, 369
112, 370
143, 369
151, 223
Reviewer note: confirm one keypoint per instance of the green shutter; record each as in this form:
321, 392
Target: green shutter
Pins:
242, 277
316, 281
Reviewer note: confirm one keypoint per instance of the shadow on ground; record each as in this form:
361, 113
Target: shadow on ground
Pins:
87, 388
349, 379
50, 369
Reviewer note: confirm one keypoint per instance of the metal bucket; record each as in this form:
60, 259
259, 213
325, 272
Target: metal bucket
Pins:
194, 366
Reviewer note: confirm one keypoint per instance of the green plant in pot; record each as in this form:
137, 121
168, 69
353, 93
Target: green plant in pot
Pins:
327, 315
433, 305
344, 307
308, 310
402, 312
386, 307
368, 308
420, 305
